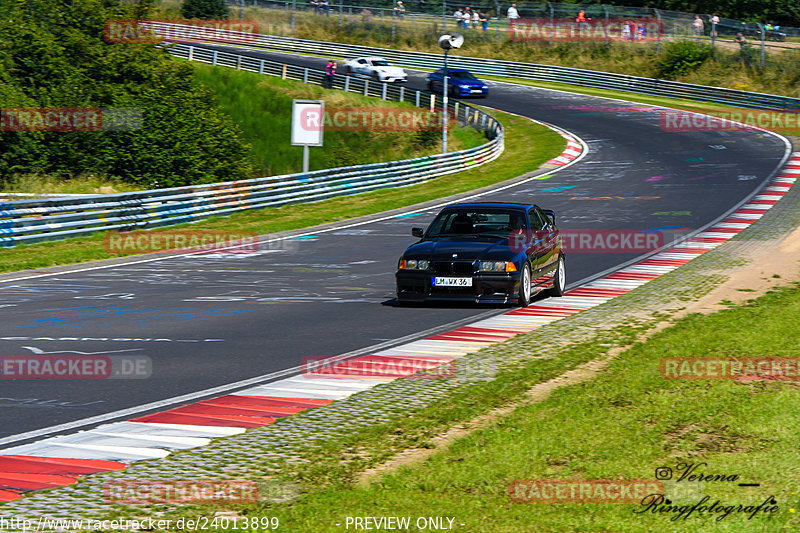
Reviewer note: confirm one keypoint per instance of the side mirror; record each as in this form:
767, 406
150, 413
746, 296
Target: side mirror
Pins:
551, 216
417, 232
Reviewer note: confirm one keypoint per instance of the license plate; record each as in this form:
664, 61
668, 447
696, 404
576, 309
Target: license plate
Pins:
452, 282
476, 90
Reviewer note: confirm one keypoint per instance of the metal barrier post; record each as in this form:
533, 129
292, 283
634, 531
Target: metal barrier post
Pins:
341, 8
347, 84
305, 75
191, 53
214, 58
763, 38
383, 91
658, 42
294, 8
393, 25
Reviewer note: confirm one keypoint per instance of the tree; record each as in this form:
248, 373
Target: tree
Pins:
204, 9
52, 54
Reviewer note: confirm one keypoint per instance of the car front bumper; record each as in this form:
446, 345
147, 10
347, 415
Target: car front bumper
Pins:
416, 286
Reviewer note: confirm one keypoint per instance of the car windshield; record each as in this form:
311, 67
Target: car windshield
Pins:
463, 74
380, 63
483, 223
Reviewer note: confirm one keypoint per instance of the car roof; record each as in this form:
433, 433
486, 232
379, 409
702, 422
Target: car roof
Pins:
490, 205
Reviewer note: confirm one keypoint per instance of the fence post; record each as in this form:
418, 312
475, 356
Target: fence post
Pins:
383, 91
497, 22
393, 25
294, 8
366, 87
346, 83
763, 44
191, 53
605, 32
238, 62
305, 75
402, 93
416, 100
283, 71
214, 58
341, 14
658, 42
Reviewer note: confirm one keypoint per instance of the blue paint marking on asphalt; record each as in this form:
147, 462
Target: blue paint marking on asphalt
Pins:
559, 189
662, 228
408, 215
695, 159
95, 316
305, 237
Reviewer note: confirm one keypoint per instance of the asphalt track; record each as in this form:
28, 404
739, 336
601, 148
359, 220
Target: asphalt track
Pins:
208, 320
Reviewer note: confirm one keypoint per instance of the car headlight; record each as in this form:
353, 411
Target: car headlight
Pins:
414, 264
464, 86
497, 266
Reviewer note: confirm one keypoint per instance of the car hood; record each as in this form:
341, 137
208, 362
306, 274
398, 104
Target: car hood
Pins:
392, 71
471, 83
466, 250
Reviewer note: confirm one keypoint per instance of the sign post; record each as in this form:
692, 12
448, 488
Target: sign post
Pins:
307, 118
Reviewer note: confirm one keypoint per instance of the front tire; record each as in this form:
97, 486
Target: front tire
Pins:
559, 279
348, 71
376, 76
524, 297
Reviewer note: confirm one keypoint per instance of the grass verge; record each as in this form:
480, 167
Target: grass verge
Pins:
261, 107
528, 145
622, 425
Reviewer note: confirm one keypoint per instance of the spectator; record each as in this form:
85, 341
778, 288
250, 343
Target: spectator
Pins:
642, 31
326, 7
714, 20
315, 5
697, 26
626, 30
513, 15
466, 18
484, 21
400, 9
330, 72
476, 19
458, 15
740, 40
581, 18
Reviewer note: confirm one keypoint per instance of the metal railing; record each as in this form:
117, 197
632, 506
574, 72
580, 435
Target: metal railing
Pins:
510, 69
31, 221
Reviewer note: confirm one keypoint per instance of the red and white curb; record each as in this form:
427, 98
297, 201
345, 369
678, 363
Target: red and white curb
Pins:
60, 461
570, 153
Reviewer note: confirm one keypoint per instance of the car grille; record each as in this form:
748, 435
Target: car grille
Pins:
453, 268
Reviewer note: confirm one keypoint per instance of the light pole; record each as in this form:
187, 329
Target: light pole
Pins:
447, 42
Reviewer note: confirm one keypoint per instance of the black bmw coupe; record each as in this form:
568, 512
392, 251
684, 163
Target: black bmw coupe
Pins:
485, 253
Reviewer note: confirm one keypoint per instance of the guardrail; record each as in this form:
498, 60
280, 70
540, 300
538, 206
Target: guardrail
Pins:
509, 69
31, 221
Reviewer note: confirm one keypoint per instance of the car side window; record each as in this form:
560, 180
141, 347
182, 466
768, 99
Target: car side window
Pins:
537, 222
544, 217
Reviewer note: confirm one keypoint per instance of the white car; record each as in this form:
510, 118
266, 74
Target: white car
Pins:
376, 68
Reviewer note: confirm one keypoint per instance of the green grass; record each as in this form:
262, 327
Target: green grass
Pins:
261, 106
528, 145
623, 424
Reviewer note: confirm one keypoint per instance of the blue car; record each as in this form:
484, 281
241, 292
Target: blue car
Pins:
496, 253
460, 83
